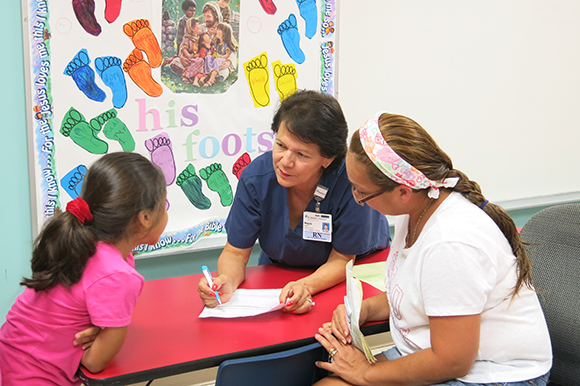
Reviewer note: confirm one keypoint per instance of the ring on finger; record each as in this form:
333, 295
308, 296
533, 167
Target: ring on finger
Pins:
311, 301
333, 352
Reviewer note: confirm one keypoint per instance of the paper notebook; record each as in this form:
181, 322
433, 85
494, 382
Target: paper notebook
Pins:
352, 303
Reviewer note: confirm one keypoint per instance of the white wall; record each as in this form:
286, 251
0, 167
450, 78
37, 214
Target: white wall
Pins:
495, 82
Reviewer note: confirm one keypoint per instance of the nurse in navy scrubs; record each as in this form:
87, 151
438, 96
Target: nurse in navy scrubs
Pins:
287, 198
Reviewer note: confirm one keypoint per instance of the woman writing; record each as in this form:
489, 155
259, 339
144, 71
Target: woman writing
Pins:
459, 297
302, 175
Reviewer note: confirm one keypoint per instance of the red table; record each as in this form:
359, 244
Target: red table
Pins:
166, 337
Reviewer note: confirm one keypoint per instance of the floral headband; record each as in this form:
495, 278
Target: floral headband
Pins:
392, 165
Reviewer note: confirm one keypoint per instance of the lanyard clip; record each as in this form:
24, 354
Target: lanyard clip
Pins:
319, 195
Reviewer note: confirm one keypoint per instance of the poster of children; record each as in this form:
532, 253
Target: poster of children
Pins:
190, 84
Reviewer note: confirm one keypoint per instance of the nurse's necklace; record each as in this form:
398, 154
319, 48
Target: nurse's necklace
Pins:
409, 243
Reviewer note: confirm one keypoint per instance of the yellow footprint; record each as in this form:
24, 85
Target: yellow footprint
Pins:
257, 75
285, 76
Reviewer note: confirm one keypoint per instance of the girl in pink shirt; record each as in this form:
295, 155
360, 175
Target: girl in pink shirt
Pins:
83, 275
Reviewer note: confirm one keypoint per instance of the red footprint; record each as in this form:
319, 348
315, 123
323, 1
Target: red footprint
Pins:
268, 6
85, 13
241, 164
112, 10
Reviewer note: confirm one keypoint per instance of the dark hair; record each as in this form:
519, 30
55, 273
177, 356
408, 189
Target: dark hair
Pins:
117, 187
188, 4
228, 35
315, 117
192, 23
412, 143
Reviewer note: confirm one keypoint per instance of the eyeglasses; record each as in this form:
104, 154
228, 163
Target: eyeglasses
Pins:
361, 201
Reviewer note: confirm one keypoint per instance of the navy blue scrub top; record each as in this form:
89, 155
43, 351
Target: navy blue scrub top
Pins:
260, 211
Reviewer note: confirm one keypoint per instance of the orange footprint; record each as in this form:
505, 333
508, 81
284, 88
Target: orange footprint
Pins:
140, 71
143, 38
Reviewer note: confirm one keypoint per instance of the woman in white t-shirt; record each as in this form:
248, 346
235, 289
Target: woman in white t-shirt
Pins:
459, 295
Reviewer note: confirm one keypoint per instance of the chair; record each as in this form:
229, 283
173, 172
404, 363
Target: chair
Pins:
287, 368
554, 235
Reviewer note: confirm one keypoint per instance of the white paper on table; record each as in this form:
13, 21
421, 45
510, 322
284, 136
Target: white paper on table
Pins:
354, 298
246, 302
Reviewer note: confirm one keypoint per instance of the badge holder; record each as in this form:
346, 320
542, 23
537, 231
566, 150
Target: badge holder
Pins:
317, 226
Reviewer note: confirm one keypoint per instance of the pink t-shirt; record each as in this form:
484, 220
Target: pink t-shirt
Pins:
36, 342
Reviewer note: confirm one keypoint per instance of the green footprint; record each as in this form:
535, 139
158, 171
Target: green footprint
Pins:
218, 182
76, 127
190, 183
114, 129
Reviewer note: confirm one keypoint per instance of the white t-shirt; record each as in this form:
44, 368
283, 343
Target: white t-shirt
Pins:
461, 264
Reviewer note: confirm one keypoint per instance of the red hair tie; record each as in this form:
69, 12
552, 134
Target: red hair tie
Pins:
80, 209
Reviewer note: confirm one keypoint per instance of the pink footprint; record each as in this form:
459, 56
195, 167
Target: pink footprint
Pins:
161, 152
112, 10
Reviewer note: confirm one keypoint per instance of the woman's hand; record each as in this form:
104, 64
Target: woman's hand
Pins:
348, 362
296, 297
87, 337
339, 326
220, 284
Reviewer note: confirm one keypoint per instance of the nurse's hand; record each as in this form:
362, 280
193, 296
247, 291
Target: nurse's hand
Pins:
296, 297
220, 284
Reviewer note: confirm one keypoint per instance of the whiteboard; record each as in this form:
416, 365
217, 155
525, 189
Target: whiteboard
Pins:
496, 83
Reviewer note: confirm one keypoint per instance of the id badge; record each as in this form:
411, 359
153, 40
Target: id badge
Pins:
317, 227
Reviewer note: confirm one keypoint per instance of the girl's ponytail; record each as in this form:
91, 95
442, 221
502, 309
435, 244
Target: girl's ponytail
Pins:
117, 187
60, 252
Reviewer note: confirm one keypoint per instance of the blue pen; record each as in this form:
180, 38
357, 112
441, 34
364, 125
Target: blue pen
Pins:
207, 275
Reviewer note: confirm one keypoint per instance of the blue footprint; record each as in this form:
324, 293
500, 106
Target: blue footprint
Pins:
84, 76
72, 182
309, 14
291, 39
110, 71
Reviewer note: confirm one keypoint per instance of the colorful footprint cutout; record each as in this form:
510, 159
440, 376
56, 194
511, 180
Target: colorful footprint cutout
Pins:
110, 71
85, 13
190, 184
84, 76
161, 152
112, 10
72, 182
258, 77
285, 79
143, 38
309, 13
288, 31
78, 129
140, 72
268, 6
218, 182
114, 129
241, 164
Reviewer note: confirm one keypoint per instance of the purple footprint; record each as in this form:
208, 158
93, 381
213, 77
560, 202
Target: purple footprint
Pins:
161, 152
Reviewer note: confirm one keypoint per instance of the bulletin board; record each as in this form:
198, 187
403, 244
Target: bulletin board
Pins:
109, 75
